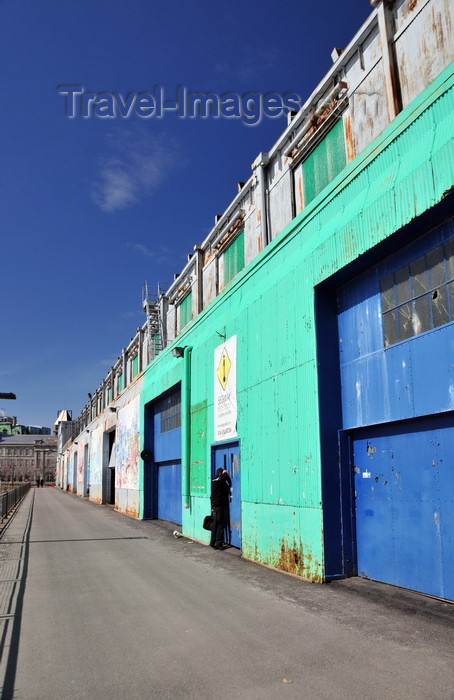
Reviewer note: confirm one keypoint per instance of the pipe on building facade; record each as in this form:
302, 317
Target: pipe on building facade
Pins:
186, 427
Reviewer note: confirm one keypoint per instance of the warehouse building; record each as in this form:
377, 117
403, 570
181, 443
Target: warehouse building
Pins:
307, 344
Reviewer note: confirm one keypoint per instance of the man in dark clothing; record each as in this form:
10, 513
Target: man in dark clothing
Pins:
220, 497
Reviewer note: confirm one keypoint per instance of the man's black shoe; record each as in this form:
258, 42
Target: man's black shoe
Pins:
219, 546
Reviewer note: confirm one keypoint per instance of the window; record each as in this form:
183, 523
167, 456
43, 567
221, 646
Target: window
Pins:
170, 411
135, 366
419, 296
324, 163
120, 383
186, 310
234, 258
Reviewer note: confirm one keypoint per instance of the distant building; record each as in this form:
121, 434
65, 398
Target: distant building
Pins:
37, 430
9, 426
27, 458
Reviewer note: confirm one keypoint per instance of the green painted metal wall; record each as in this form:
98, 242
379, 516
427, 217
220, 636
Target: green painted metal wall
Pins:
325, 162
270, 308
234, 258
186, 310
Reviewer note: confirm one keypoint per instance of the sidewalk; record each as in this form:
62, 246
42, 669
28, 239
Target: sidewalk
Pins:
14, 553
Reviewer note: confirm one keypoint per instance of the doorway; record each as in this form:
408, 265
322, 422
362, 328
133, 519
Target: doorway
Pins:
227, 456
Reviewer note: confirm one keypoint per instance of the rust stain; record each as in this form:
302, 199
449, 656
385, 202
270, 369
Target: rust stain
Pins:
300, 194
437, 26
294, 559
349, 138
412, 5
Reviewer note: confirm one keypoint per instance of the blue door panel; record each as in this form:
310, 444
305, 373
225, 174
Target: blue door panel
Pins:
169, 492
167, 446
434, 390
404, 488
378, 388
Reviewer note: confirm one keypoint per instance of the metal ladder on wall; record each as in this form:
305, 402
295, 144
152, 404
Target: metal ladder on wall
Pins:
151, 304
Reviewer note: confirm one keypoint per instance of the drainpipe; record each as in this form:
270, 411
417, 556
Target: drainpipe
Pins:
186, 426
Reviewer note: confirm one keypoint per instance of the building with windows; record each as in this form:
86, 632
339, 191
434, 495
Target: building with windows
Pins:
28, 458
307, 344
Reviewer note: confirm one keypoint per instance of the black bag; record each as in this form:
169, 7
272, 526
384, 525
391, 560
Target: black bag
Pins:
208, 522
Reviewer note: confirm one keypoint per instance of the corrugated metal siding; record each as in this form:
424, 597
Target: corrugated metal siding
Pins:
325, 162
186, 310
234, 258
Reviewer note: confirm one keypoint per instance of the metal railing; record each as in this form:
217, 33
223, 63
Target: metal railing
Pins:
10, 499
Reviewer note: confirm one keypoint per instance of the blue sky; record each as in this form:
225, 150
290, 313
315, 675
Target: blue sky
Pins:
93, 207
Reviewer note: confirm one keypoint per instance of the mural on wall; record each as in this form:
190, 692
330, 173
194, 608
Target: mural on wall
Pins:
128, 446
96, 457
80, 464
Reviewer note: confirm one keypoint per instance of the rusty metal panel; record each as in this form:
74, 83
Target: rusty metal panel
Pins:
368, 112
280, 202
209, 281
298, 186
367, 115
424, 43
171, 322
252, 241
127, 501
277, 537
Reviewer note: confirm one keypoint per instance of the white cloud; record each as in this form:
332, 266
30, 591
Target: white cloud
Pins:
251, 67
135, 167
143, 250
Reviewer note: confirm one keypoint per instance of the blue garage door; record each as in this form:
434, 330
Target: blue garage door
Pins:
167, 456
404, 488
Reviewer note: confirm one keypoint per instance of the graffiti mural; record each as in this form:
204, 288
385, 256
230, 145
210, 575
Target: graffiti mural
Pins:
128, 447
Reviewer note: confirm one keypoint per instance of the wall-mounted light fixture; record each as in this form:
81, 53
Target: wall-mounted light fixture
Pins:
178, 352
112, 409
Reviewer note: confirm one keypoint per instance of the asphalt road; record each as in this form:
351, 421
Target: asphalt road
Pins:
95, 605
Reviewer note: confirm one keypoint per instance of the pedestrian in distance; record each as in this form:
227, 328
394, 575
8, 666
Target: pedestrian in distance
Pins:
220, 496
42, 483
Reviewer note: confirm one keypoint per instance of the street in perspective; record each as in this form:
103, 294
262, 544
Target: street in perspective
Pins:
98, 605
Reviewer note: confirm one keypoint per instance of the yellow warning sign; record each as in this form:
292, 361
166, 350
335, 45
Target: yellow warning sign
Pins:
223, 369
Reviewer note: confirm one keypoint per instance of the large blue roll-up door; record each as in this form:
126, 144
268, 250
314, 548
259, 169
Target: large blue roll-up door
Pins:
404, 488
167, 457
396, 344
